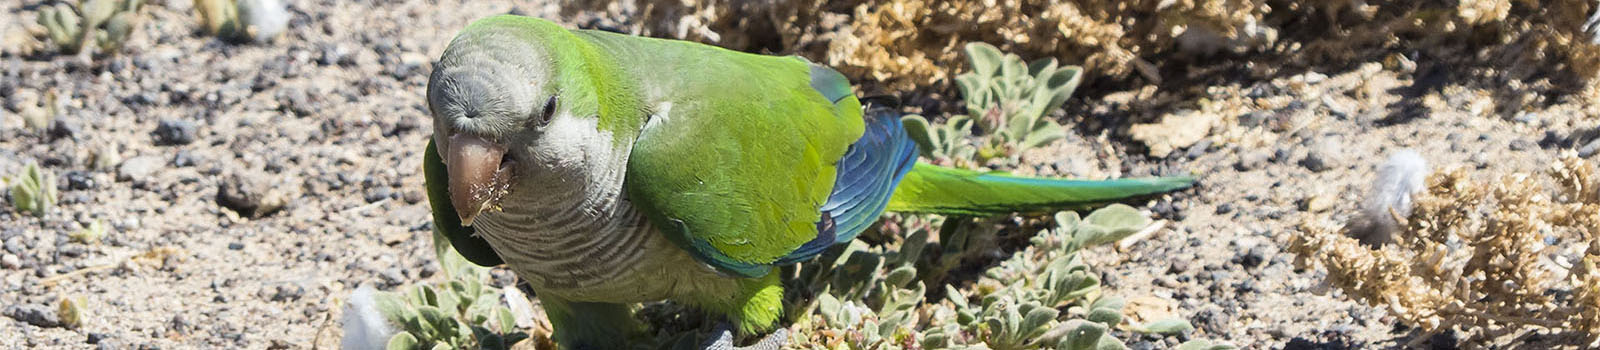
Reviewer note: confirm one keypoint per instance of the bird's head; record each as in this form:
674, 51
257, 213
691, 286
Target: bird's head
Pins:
505, 116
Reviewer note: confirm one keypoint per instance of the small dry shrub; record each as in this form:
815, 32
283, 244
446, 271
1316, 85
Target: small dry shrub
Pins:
909, 44
1486, 258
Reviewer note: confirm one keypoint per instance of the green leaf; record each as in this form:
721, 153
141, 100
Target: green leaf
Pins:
1109, 224
901, 277
1202, 344
402, 341
917, 128
508, 322
1106, 310
1171, 326
986, 59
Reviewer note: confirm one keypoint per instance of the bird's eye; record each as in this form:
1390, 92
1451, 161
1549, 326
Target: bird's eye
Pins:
549, 111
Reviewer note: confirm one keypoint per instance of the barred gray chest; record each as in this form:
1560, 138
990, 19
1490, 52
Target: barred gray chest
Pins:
579, 239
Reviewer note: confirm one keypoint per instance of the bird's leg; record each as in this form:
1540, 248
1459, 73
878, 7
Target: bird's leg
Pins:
722, 339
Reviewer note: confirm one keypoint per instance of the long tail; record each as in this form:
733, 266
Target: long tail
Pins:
933, 189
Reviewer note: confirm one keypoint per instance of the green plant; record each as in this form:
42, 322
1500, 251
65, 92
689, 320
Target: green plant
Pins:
458, 313
944, 144
106, 22
1043, 297
89, 235
1008, 101
33, 190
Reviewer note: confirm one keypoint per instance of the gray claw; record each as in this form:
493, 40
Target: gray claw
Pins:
723, 340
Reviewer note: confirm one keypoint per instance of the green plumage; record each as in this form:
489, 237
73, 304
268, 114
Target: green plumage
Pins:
932, 189
726, 160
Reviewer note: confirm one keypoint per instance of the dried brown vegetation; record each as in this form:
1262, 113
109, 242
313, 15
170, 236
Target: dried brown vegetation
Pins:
1491, 259
910, 43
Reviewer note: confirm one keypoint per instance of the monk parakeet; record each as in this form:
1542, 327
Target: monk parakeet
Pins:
607, 169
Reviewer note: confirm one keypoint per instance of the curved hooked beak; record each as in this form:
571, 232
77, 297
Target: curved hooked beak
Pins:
479, 175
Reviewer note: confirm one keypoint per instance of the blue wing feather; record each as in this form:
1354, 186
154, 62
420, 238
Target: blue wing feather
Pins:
867, 176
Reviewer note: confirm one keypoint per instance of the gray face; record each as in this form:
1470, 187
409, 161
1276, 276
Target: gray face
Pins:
489, 110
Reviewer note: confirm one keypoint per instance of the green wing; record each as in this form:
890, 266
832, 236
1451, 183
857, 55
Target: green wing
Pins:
474, 248
738, 167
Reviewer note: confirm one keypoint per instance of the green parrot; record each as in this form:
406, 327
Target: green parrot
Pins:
607, 170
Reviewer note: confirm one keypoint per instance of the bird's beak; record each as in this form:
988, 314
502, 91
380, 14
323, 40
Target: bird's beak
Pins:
478, 177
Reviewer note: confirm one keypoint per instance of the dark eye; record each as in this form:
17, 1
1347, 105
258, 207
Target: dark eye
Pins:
549, 111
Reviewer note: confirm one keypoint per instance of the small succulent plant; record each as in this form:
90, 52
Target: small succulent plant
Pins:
90, 234
33, 190
944, 144
459, 313
1043, 297
107, 23
243, 20
1007, 100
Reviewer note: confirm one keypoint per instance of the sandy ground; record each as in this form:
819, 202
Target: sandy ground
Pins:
331, 118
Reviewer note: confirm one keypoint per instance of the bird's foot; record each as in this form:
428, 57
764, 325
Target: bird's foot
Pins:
722, 339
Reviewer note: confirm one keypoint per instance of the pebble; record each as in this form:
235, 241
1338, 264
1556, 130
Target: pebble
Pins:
34, 314
1589, 149
1521, 144
1252, 160
1251, 258
78, 180
393, 276
10, 261
1316, 203
251, 195
62, 128
175, 132
97, 338
184, 158
1325, 155
1198, 149
288, 292
235, 246
139, 168
1225, 208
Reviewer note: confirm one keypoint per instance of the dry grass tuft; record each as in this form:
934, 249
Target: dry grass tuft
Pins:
1484, 258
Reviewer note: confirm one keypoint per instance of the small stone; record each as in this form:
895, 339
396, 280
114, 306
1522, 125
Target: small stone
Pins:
1521, 144
1481, 160
1251, 258
10, 261
78, 180
235, 246
1316, 204
96, 338
1225, 208
1325, 155
393, 276
1199, 149
184, 159
175, 132
251, 195
1252, 160
34, 314
288, 292
139, 168
1589, 149
179, 324
63, 128
1254, 119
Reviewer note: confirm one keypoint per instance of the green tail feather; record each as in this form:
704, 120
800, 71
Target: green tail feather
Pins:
932, 189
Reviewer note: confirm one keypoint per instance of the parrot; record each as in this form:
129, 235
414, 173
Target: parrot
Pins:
606, 170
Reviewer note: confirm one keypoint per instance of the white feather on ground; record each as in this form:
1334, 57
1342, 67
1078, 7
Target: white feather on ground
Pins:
1400, 177
364, 327
263, 19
